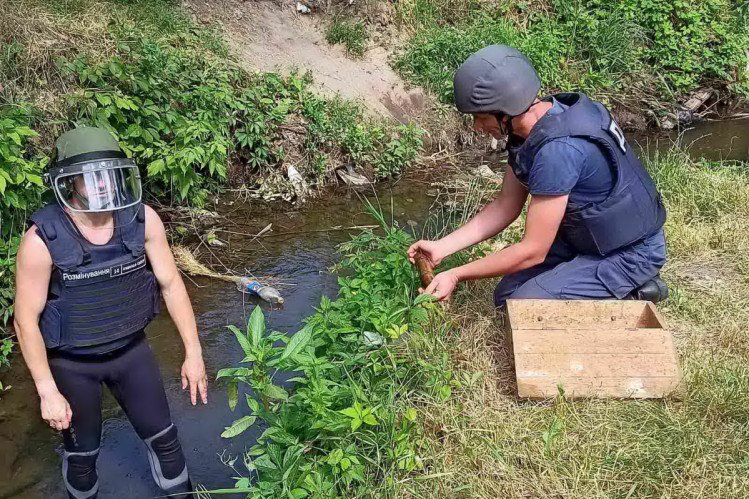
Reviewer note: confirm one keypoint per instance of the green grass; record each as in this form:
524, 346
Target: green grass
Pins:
625, 52
485, 443
351, 33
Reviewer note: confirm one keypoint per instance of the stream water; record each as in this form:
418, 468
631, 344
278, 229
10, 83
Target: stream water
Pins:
299, 250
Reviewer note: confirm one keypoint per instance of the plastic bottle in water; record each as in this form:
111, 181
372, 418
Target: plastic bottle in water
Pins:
267, 293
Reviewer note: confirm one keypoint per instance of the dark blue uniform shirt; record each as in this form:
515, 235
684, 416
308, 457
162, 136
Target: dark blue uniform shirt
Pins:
571, 165
577, 167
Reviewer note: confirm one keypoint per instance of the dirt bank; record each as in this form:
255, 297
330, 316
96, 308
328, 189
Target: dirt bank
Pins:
272, 36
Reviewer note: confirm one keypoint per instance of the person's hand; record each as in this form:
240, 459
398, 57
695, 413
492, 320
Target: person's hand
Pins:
193, 375
55, 409
443, 285
432, 250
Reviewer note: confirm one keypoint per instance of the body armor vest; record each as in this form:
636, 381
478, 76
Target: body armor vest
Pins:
633, 209
97, 293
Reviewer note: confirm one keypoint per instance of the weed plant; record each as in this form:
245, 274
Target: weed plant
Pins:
349, 427
350, 32
628, 51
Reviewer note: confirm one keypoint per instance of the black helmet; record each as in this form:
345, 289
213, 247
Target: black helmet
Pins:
89, 172
497, 79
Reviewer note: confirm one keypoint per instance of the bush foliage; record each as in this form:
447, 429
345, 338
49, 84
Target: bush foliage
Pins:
349, 427
660, 48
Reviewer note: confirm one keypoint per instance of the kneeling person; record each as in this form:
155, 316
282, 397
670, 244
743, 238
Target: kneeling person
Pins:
594, 225
90, 271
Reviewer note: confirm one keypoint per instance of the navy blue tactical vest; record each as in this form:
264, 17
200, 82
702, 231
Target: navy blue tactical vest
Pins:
97, 293
633, 209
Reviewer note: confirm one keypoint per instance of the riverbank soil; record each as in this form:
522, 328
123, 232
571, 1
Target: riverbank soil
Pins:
273, 36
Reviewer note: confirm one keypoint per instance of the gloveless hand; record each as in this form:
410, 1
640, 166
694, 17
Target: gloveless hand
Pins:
432, 250
193, 375
55, 409
443, 285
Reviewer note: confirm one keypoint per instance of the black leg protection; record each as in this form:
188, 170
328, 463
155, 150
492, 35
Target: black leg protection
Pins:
79, 474
168, 461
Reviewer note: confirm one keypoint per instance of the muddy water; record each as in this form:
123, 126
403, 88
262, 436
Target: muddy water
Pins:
300, 249
714, 140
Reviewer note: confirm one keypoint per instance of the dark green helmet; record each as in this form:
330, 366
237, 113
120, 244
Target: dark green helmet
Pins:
498, 80
89, 172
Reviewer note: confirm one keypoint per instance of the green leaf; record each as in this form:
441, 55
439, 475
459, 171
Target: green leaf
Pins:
335, 456
424, 298
370, 419
252, 404
242, 339
34, 179
355, 424
280, 436
256, 326
265, 461
298, 493
350, 412
297, 342
233, 372
275, 392
410, 414
238, 426
155, 167
233, 394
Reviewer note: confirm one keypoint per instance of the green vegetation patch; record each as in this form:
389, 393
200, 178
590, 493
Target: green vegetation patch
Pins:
637, 49
351, 33
350, 426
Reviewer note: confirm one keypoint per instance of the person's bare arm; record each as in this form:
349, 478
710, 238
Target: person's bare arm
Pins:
490, 221
33, 272
178, 303
542, 224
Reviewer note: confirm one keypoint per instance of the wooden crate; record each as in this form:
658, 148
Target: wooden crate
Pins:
601, 348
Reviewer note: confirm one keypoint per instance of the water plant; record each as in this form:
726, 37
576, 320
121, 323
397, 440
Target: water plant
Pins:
363, 364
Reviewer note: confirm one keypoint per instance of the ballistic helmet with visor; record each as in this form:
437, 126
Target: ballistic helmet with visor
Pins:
496, 80
90, 173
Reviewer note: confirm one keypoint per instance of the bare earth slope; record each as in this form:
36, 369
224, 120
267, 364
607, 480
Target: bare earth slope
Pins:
270, 36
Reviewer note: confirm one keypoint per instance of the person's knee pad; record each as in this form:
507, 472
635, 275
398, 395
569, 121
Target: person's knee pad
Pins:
168, 461
79, 474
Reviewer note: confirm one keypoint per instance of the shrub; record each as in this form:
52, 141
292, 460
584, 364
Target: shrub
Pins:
349, 427
20, 193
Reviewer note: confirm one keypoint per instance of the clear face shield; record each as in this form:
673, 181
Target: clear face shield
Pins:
98, 188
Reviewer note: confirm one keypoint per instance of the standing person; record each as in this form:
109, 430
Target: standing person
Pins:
594, 225
90, 271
